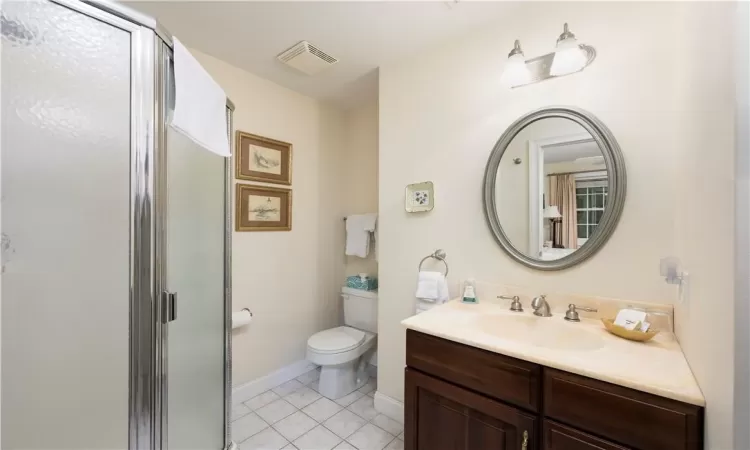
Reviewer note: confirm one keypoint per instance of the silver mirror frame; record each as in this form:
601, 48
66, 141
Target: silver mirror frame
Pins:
617, 185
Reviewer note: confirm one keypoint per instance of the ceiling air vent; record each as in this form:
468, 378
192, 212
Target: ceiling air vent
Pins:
306, 58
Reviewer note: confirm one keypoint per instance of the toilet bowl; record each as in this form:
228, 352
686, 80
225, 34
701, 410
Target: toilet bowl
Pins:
343, 354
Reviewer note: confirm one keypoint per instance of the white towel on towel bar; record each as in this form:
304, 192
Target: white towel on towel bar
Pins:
358, 229
422, 306
432, 287
200, 110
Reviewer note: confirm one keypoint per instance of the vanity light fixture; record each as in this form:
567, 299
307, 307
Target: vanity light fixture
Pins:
516, 73
569, 56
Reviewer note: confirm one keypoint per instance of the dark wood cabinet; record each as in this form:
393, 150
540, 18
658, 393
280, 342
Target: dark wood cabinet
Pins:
508, 379
559, 437
443, 416
459, 397
631, 417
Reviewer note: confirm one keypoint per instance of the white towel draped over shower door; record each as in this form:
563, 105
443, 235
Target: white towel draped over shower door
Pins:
200, 110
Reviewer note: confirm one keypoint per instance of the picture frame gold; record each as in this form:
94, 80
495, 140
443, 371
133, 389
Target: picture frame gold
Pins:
262, 208
262, 159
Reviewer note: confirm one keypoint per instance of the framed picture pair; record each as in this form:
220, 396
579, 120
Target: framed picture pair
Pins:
262, 208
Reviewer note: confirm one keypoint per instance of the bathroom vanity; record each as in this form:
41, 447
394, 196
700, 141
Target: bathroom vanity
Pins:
476, 379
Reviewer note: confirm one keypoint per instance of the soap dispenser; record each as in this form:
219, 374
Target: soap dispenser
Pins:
470, 291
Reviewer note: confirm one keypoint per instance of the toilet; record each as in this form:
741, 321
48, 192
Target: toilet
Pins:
344, 352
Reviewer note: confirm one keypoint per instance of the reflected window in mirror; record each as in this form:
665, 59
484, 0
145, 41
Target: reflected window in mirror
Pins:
591, 199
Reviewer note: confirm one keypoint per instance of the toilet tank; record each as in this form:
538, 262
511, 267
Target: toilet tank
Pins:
360, 309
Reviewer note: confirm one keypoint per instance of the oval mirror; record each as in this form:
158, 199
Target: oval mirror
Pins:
554, 188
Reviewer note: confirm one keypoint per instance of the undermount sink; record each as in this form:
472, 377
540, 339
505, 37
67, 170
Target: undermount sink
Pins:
540, 332
561, 337
507, 324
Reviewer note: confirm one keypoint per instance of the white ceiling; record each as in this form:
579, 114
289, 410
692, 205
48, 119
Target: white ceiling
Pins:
571, 152
362, 35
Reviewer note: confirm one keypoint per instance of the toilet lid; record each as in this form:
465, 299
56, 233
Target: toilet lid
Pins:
336, 340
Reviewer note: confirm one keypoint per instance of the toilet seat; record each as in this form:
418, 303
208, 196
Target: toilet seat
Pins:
336, 340
343, 354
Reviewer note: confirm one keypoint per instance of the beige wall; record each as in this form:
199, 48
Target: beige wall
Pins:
289, 280
441, 113
359, 181
704, 220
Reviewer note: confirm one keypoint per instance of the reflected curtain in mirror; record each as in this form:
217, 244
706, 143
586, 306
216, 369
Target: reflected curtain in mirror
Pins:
562, 190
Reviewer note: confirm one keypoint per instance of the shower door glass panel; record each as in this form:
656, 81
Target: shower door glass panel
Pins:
195, 271
65, 229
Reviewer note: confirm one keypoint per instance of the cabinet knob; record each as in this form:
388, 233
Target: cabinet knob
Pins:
525, 442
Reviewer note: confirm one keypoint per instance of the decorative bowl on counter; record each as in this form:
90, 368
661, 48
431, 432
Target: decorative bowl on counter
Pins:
631, 335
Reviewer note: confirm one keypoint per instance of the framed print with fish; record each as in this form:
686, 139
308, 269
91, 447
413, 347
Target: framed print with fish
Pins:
261, 208
263, 159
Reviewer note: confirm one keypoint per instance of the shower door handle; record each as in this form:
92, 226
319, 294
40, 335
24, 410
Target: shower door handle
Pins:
168, 306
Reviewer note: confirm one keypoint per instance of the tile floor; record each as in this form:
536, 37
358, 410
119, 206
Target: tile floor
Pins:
294, 415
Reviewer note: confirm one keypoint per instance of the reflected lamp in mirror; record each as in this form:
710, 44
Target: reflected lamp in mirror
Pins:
516, 73
552, 212
569, 56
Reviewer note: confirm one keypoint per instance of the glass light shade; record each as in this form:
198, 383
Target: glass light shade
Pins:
551, 212
569, 58
515, 73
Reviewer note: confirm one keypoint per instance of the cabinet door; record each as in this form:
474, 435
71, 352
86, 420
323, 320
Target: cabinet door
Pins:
635, 418
442, 416
560, 437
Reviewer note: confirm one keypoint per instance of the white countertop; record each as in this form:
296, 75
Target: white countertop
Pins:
585, 348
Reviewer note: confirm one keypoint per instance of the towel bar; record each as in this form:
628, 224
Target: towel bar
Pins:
439, 254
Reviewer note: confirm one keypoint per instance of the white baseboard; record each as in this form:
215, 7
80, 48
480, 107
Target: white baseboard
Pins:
389, 407
249, 390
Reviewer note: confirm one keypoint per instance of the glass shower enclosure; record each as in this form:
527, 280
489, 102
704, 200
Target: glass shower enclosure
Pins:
116, 277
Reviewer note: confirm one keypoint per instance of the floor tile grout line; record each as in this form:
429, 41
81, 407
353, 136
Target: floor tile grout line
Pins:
368, 423
280, 397
381, 429
272, 424
344, 438
300, 411
264, 392
391, 442
355, 413
240, 417
321, 425
268, 425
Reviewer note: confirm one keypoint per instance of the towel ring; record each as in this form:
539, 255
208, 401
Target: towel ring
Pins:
439, 255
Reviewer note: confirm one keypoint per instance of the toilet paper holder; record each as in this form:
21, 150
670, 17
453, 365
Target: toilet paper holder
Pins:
241, 318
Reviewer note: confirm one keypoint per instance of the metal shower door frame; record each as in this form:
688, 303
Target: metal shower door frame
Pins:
150, 53
164, 86
142, 428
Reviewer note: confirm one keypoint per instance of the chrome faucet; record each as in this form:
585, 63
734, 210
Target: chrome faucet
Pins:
541, 307
571, 315
515, 305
